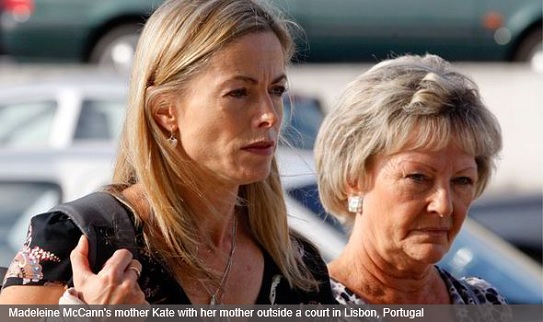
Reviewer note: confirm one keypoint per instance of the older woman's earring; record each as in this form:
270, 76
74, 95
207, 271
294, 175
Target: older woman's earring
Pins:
355, 203
172, 139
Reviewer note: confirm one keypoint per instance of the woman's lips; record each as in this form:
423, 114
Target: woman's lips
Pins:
261, 148
433, 230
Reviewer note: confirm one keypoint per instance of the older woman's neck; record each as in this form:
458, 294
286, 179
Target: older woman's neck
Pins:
374, 280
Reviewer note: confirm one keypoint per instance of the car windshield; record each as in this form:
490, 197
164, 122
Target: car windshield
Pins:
26, 123
50, 122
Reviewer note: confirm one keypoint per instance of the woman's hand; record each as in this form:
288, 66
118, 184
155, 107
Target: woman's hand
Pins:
115, 283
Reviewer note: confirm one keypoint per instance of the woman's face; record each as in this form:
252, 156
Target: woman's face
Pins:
417, 202
229, 117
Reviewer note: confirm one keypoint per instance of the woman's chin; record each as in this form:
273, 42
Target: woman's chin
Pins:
429, 254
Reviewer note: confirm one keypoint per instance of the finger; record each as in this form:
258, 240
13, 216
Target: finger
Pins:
117, 263
134, 268
79, 258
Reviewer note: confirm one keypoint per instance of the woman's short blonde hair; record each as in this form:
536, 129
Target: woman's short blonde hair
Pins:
407, 103
176, 44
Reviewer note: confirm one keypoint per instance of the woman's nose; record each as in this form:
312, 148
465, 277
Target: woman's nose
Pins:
441, 202
269, 113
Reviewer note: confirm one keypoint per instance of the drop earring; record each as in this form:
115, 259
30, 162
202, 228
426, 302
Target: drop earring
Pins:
172, 139
355, 203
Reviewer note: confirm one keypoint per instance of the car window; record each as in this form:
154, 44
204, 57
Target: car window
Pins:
19, 201
26, 124
99, 120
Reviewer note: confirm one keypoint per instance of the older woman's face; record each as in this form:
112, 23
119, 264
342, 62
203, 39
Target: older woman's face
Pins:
230, 116
417, 203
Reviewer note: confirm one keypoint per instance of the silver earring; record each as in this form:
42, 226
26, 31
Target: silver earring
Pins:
172, 139
355, 203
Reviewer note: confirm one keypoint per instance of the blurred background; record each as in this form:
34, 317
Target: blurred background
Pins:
63, 74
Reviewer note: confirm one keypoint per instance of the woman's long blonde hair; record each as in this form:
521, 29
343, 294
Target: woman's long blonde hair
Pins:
176, 43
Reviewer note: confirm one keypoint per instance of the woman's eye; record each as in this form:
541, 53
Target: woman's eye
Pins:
238, 92
278, 90
417, 177
465, 181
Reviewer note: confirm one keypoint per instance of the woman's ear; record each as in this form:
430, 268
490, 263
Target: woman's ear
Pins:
353, 188
165, 113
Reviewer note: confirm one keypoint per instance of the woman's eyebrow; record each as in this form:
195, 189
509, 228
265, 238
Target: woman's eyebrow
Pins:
254, 81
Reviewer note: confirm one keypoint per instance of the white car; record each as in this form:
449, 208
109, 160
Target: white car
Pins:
62, 112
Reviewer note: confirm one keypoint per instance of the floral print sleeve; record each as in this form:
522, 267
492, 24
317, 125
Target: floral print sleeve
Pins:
44, 258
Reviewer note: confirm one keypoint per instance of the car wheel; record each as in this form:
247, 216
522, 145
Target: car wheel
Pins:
531, 50
116, 48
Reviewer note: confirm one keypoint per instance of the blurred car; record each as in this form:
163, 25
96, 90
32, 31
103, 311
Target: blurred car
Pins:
60, 112
34, 180
98, 31
105, 31
517, 219
76, 109
465, 30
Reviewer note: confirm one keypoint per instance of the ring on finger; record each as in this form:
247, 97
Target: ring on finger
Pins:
137, 270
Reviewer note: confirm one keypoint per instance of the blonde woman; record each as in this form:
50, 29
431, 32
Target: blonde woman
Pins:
401, 157
196, 168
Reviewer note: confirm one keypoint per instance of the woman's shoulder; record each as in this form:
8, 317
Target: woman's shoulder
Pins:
471, 290
483, 290
276, 289
44, 257
343, 295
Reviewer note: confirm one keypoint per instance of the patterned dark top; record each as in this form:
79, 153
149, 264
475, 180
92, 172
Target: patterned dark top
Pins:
45, 260
479, 292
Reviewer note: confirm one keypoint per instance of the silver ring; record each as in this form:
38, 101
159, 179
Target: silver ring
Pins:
135, 269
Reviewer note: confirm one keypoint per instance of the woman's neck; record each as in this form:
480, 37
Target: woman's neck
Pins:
215, 211
377, 282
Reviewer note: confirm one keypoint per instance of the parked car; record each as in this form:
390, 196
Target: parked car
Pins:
517, 219
98, 31
34, 180
105, 31
61, 111
466, 30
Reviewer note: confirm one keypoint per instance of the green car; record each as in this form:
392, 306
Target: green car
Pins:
105, 31
73, 31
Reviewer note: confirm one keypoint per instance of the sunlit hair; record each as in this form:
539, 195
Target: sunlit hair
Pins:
402, 104
176, 44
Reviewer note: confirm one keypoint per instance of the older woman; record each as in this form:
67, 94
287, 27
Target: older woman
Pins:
401, 157
197, 170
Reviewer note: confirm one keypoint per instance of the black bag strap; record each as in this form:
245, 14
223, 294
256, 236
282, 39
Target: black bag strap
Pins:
106, 223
